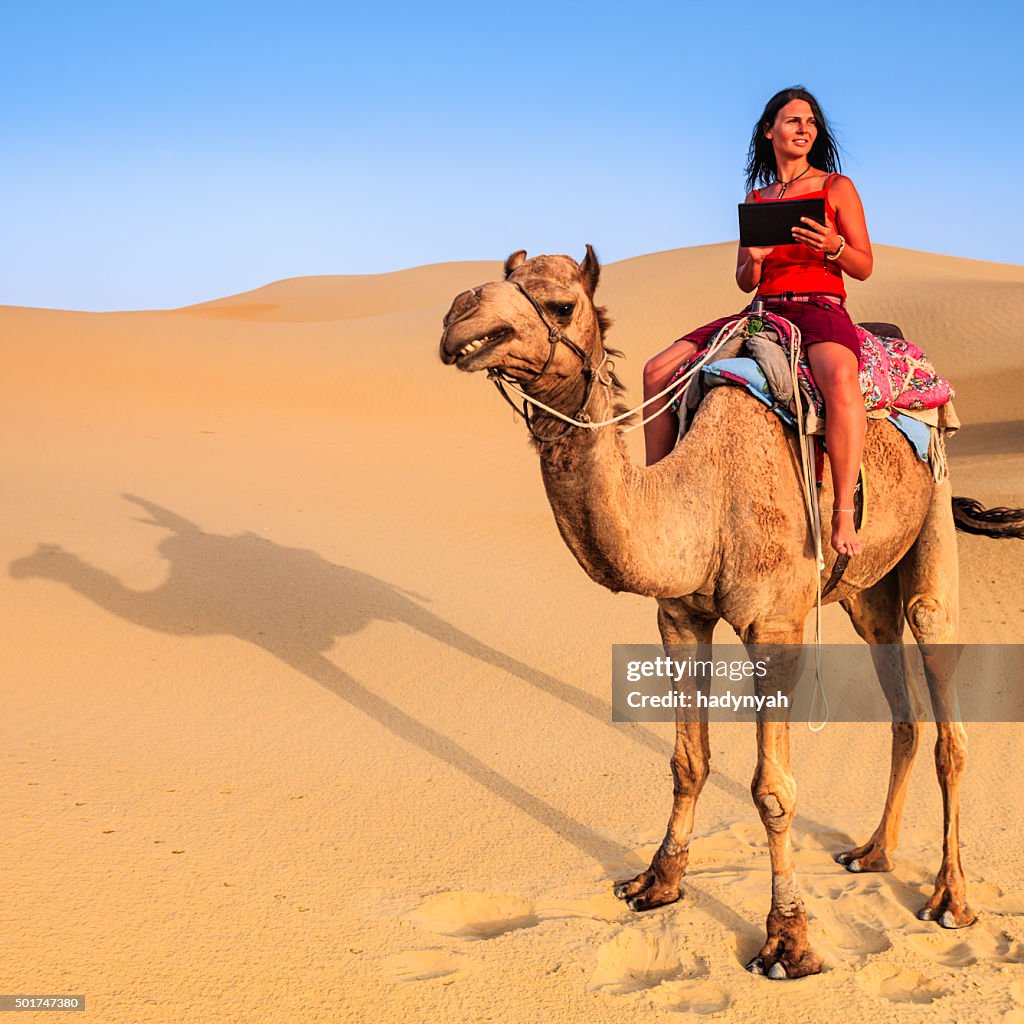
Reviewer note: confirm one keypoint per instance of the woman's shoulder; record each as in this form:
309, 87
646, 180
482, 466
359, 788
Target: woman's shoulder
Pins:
840, 182
841, 192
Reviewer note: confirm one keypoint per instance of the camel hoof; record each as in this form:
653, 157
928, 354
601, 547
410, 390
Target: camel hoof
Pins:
646, 891
633, 886
949, 919
651, 900
756, 966
948, 907
777, 971
864, 858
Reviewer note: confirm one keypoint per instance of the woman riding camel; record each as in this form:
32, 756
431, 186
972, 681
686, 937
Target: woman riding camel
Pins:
793, 155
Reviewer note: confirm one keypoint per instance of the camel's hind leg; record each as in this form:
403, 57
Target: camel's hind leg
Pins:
659, 884
877, 615
929, 584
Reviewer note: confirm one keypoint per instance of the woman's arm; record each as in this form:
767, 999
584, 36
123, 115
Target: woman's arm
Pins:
749, 262
856, 258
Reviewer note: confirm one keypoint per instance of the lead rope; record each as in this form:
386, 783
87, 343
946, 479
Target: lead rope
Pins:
806, 442
806, 445
675, 386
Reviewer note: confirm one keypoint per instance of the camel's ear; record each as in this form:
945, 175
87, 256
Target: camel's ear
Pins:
591, 270
515, 260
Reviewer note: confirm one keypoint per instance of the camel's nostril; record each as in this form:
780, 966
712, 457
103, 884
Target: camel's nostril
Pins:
462, 306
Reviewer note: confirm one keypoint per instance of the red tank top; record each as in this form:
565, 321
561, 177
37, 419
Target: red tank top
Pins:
795, 268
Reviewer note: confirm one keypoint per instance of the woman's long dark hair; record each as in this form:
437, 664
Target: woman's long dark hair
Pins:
824, 154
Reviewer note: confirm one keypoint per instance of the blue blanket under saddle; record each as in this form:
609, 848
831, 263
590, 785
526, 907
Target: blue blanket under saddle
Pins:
744, 372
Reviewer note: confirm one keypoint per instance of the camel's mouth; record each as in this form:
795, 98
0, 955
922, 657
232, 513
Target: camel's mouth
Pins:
465, 355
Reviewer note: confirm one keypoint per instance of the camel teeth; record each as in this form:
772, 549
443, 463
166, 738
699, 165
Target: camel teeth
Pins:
473, 345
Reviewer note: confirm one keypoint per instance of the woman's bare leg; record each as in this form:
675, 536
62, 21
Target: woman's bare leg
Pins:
660, 433
835, 372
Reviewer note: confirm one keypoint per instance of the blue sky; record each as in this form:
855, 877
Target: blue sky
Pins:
161, 154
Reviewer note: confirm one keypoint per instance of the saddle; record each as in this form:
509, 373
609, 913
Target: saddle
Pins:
757, 362
774, 365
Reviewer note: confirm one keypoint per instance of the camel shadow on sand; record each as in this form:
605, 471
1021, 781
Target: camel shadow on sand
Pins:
294, 604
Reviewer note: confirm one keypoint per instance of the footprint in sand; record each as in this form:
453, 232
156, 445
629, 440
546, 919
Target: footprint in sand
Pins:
469, 915
843, 939
691, 997
899, 985
600, 907
725, 851
750, 836
420, 965
859, 922
983, 941
827, 841
987, 896
639, 958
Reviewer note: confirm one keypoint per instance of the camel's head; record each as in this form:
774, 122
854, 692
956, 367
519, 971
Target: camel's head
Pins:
496, 325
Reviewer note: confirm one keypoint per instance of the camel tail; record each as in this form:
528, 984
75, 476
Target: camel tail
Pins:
971, 516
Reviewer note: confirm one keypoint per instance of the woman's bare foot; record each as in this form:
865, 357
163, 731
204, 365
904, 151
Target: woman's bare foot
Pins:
844, 534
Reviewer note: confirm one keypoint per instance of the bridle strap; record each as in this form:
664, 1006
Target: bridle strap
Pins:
555, 336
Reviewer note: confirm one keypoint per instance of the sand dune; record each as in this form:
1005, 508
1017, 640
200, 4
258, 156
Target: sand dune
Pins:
306, 703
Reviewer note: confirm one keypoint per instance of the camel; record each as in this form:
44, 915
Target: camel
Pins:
718, 530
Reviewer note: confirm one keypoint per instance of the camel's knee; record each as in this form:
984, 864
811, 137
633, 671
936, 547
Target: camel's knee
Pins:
906, 736
690, 770
931, 619
775, 798
951, 750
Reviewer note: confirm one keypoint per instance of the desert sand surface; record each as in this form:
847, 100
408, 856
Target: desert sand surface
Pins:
307, 706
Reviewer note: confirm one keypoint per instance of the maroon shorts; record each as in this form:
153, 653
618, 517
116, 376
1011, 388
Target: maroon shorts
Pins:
818, 320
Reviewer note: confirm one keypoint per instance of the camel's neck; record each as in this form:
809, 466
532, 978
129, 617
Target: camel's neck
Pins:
632, 529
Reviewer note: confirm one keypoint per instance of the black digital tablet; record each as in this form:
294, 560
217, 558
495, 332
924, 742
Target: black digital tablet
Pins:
771, 221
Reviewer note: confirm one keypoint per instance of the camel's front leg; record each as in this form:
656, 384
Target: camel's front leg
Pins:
786, 952
659, 884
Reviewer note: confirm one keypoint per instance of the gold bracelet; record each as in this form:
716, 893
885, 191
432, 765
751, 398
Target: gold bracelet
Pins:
839, 252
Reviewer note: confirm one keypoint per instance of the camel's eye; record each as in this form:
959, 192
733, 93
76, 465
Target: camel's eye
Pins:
562, 309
